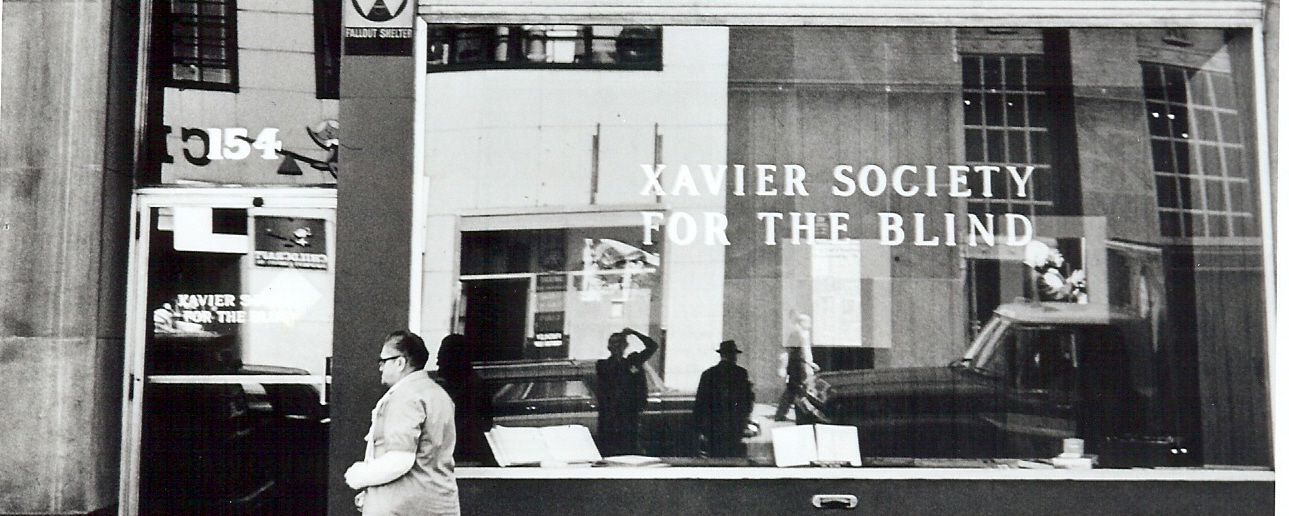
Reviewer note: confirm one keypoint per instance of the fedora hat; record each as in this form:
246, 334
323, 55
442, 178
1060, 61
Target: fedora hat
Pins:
728, 346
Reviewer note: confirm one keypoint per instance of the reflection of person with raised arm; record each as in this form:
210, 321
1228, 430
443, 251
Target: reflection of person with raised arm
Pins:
621, 392
800, 367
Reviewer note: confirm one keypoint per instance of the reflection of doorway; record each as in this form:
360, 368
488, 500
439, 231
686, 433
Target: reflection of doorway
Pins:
496, 317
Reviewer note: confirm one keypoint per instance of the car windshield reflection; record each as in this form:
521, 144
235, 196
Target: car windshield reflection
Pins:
542, 391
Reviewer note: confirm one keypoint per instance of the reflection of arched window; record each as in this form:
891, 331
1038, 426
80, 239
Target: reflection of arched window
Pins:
1196, 124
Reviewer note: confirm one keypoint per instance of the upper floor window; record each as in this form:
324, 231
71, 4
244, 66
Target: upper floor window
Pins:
1201, 186
201, 39
466, 47
1005, 111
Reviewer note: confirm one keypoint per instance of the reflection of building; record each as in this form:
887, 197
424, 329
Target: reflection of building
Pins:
238, 90
531, 157
1143, 165
118, 96
1108, 180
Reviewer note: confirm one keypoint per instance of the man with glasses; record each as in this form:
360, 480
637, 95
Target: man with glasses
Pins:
408, 467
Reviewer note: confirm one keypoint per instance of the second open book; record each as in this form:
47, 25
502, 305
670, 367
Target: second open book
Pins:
824, 445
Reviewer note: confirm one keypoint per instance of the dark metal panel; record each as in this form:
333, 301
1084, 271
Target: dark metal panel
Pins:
793, 496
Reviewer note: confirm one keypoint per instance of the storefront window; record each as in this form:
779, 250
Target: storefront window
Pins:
555, 293
954, 243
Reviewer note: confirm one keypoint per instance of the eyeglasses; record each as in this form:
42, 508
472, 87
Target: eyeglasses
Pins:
384, 359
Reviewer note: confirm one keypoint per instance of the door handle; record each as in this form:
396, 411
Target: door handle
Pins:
834, 501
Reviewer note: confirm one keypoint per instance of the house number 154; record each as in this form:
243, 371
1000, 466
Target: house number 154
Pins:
201, 146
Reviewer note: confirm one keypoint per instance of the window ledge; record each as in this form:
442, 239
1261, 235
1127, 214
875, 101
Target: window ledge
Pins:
757, 473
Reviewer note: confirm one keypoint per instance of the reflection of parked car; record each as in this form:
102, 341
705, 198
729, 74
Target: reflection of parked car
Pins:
562, 392
234, 448
1037, 373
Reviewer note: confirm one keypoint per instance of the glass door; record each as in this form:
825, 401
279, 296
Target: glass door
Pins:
227, 368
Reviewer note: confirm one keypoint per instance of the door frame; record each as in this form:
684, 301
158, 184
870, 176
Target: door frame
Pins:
142, 202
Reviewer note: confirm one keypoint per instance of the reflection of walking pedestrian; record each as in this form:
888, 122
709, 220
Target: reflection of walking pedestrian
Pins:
800, 366
473, 407
621, 393
723, 404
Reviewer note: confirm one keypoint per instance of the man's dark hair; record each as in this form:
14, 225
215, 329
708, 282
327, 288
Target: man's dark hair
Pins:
409, 345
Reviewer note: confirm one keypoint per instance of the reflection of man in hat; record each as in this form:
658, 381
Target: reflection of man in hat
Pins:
723, 404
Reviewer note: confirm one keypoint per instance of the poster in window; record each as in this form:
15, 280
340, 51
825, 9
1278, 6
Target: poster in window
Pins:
293, 242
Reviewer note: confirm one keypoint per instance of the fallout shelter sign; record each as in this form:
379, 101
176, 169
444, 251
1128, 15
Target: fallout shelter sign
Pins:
378, 27
291, 242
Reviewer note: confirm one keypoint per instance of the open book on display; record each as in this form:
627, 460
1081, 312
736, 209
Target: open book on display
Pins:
633, 460
824, 445
548, 445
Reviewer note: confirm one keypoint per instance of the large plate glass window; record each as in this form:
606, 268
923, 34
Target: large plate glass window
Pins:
993, 239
